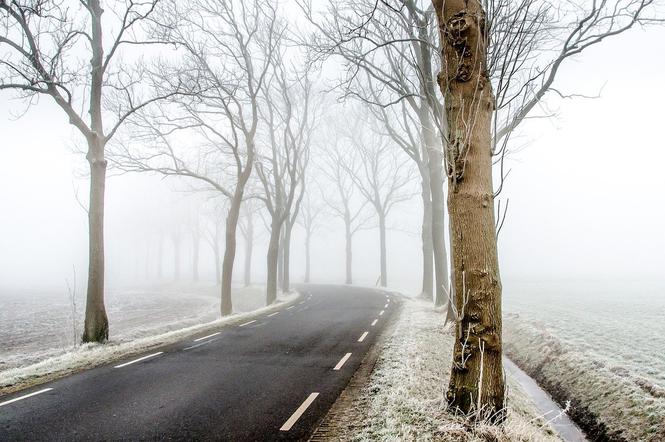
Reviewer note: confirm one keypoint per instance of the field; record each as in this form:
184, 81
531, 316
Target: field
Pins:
38, 325
600, 346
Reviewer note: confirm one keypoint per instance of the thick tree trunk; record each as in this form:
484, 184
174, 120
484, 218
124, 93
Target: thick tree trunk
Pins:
96, 327
382, 245
230, 250
249, 246
176, 257
308, 240
272, 262
286, 247
426, 236
195, 255
435, 164
280, 260
349, 250
476, 381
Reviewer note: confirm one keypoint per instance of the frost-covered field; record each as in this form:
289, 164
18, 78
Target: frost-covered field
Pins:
404, 399
38, 325
602, 347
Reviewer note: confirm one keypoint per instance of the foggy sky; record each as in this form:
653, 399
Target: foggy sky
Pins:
586, 192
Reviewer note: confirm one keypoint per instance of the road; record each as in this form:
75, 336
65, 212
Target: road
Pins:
270, 379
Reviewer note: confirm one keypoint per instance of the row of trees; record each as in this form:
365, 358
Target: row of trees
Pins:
227, 98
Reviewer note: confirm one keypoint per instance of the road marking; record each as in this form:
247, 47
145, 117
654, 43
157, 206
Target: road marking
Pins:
374, 322
198, 345
25, 396
206, 337
381, 312
342, 361
247, 323
139, 359
363, 336
289, 308
273, 314
299, 412
385, 306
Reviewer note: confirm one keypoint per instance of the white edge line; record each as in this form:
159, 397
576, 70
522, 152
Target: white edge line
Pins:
25, 396
381, 312
206, 337
342, 361
247, 323
200, 344
273, 314
363, 336
139, 359
374, 322
299, 412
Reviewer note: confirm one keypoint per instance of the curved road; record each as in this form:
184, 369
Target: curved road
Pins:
270, 379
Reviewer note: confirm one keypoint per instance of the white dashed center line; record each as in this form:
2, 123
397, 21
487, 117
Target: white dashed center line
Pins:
385, 306
200, 344
139, 359
374, 322
16, 399
299, 412
273, 314
247, 323
206, 337
381, 312
363, 336
342, 361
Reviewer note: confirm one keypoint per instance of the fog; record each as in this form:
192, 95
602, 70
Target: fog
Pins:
585, 190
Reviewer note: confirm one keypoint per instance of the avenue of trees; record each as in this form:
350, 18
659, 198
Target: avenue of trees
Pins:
228, 96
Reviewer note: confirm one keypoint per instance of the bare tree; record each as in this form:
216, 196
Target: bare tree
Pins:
59, 51
501, 44
219, 41
380, 173
281, 170
388, 50
311, 214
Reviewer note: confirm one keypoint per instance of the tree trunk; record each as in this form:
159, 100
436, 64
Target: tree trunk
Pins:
349, 250
249, 246
230, 251
435, 164
280, 260
96, 327
286, 264
426, 236
195, 255
476, 381
176, 257
382, 244
308, 239
272, 262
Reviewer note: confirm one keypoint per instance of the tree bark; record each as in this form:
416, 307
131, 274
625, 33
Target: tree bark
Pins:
426, 236
272, 262
308, 240
286, 261
476, 381
349, 249
230, 251
96, 326
280, 260
382, 244
249, 246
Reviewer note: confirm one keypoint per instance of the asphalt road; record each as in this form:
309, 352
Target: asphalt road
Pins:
272, 379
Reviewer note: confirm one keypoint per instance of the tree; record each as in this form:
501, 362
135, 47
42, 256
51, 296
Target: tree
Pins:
281, 170
387, 50
505, 47
59, 51
335, 164
312, 210
211, 136
380, 174
247, 230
